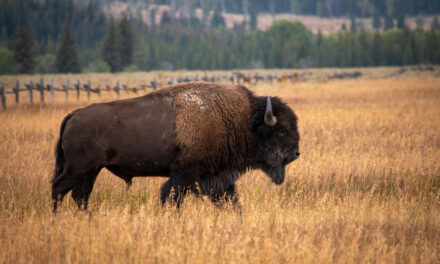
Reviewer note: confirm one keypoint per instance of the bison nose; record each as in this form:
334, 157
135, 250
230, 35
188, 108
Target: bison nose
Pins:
297, 154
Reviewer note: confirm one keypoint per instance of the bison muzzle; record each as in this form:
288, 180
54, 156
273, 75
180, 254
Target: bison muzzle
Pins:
202, 136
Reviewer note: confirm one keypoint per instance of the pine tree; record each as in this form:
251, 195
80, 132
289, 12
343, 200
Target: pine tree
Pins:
217, 19
377, 50
22, 48
319, 41
344, 27
408, 48
165, 19
389, 23
67, 59
353, 28
126, 42
153, 17
401, 21
419, 23
435, 24
433, 46
253, 21
110, 52
365, 47
377, 24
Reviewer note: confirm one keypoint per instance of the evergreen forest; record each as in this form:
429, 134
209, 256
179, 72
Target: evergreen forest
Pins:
45, 36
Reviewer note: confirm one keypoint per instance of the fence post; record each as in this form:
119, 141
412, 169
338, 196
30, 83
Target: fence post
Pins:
88, 90
42, 90
117, 88
67, 89
2, 98
31, 91
52, 96
17, 90
77, 90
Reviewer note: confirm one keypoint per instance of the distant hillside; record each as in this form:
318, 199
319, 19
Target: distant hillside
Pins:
313, 23
46, 18
322, 8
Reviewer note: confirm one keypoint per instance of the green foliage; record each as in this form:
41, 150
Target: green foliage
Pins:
377, 24
46, 63
284, 45
118, 46
253, 20
353, 26
46, 18
377, 50
165, 19
126, 43
110, 50
419, 23
23, 50
101, 66
389, 22
287, 43
435, 24
218, 20
401, 21
433, 46
131, 68
344, 27
67, 58
153, 17
6, 61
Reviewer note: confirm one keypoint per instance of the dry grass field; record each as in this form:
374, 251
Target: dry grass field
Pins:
366, 188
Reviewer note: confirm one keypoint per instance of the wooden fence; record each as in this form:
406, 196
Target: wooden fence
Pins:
40, 88
236, 77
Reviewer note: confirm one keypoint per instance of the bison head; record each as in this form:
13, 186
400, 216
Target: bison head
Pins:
277, 138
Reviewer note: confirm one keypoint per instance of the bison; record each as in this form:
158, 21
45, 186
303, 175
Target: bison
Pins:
202, 136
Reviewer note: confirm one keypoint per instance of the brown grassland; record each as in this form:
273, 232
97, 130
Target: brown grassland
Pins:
365, 189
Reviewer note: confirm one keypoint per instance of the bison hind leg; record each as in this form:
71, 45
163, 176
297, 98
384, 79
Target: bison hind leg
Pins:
81, 192
61, 186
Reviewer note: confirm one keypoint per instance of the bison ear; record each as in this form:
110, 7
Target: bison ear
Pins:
269, 118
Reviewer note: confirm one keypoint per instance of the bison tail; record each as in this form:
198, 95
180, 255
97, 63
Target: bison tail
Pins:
59, 153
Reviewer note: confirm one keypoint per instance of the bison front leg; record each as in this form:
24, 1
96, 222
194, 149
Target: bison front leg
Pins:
225, 196
165, 191
174, 188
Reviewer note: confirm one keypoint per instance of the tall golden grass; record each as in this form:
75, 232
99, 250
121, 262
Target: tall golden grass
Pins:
365, 189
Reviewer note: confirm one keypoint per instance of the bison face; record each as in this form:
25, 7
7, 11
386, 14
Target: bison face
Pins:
277, 138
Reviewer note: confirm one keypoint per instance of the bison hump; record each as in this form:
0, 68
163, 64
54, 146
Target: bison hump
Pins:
211, 123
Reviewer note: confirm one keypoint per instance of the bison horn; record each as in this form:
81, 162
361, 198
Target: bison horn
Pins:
269, 118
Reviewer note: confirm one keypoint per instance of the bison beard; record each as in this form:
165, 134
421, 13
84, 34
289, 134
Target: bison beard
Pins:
277, 174
202, 136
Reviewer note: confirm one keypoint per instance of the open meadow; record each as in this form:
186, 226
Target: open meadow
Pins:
366, 188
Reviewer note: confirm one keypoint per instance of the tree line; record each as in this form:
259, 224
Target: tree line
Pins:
129, 44
284, 45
